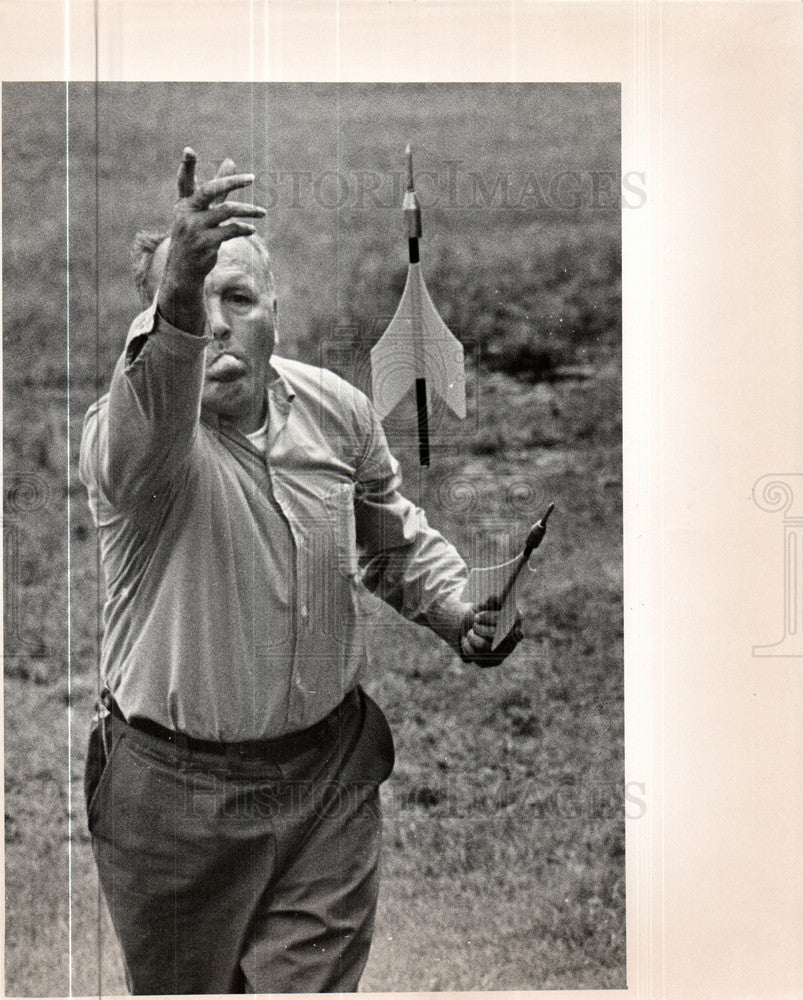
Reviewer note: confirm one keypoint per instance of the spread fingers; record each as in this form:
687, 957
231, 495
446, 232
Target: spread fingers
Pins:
226, 169
233, 209
206, 193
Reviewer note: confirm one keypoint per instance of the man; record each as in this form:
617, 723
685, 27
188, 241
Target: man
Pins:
232, 780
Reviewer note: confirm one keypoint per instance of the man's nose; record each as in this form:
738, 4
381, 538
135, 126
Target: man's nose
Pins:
216, 322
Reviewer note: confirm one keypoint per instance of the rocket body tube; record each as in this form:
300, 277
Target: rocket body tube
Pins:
410, 205
412, 215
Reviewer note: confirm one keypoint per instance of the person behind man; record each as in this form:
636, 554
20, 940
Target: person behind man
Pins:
234, 765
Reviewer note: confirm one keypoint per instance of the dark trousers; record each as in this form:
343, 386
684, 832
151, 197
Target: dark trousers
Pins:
228, 875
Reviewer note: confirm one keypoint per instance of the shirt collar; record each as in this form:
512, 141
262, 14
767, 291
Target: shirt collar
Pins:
280, 389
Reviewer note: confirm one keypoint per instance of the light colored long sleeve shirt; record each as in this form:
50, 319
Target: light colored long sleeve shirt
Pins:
234, 596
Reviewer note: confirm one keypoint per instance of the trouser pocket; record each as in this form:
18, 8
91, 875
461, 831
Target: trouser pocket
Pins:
95, 762
375, 754
98, 762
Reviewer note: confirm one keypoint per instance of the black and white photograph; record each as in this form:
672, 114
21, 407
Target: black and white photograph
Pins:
401, 464
340, 391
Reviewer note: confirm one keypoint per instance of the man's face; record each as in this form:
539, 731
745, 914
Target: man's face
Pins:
241, 316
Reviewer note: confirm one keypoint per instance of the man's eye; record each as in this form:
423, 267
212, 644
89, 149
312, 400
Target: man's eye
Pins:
239, 298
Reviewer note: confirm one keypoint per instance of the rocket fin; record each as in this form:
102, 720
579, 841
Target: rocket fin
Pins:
443, 354
407, 351
393, 367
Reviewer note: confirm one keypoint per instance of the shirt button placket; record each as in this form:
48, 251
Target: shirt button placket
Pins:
295, 687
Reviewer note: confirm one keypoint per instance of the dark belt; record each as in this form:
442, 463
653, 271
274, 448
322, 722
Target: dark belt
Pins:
280, 746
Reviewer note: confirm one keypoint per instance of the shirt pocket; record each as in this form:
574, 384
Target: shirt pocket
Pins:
339, 503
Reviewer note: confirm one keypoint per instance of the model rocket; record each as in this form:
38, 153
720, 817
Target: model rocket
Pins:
417, 349
494, 587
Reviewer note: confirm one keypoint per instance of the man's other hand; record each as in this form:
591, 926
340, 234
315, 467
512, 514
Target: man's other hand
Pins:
202, 220
479, 625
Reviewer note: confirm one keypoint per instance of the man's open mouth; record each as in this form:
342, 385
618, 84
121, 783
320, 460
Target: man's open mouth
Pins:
226, 368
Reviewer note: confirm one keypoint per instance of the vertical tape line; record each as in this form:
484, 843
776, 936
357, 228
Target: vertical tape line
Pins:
69, 551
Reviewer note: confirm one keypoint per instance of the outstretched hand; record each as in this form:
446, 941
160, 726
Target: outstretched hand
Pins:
202, 220
478, 630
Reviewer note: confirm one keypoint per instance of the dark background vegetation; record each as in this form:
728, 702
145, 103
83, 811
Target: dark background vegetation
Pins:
504, 859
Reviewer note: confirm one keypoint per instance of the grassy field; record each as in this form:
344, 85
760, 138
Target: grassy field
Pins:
504, 849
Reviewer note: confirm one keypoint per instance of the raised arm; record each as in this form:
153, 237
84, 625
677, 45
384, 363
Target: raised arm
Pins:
154, 399
201, 223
